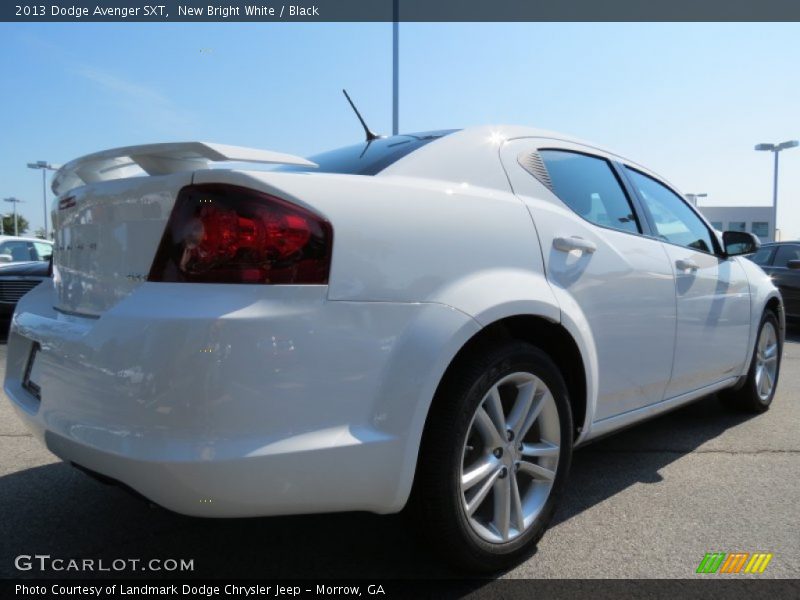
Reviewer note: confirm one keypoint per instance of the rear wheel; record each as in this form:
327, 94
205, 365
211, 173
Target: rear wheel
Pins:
494, 457
762, 379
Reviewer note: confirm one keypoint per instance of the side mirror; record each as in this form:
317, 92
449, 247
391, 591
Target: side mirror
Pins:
739, 242
793, 264
5, 258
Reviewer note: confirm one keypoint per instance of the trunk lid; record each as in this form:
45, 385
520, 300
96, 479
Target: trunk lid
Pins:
107, 235
109, 218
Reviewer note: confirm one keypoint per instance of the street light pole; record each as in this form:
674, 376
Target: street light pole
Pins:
44, 166
775, 198
775, 149
396, 69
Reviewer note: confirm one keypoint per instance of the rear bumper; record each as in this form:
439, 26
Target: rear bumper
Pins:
219, 402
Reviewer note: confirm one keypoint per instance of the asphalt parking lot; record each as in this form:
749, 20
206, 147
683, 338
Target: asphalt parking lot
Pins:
646, 503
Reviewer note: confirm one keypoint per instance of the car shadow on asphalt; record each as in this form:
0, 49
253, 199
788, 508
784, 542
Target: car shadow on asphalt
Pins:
57, 510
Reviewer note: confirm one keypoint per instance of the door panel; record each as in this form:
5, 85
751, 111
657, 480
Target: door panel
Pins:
712, 292
713, 319
621, 282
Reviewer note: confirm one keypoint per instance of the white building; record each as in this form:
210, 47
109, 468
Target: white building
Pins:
755, 219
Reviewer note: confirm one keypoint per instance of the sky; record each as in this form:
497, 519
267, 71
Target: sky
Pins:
689, 101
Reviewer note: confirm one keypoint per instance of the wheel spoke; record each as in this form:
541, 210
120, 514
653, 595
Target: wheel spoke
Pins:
533, 414
540, 449
522, 406
487, 430
536, 471
476, 500
502, 505
771, 352
761, 381
517, 516
768, 379
526, 409
494, 408
477, 472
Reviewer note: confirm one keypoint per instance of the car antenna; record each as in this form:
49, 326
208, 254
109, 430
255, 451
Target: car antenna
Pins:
370, 136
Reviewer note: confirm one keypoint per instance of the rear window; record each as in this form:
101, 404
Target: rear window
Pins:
368, 158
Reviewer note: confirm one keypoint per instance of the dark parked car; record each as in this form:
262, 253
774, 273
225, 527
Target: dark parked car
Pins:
781, 260
16, 280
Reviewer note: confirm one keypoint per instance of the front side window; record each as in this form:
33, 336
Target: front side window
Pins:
785, 254
675, 222
588, 185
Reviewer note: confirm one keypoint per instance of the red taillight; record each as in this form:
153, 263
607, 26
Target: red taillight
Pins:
228, 234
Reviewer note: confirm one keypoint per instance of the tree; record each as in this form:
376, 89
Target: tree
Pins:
8, 224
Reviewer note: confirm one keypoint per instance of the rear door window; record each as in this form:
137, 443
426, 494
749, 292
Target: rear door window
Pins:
589, 186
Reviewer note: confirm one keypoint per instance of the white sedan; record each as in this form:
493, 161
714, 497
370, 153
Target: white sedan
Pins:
434, 319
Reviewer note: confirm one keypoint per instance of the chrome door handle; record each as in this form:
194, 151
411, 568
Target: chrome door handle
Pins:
568, 244
686, 264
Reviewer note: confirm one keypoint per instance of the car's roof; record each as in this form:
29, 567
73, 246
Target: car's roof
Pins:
17, 238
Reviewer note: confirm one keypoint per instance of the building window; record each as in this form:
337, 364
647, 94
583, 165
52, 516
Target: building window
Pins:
717, 225
761, 229
737, 226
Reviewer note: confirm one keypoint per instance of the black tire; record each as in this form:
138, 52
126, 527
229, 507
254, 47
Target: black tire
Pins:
437, 502
746, 397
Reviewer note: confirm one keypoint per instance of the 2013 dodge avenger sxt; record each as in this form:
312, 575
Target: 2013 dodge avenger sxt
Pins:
436, 318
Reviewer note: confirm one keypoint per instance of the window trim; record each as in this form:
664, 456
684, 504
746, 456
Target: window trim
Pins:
640, 223
718, 251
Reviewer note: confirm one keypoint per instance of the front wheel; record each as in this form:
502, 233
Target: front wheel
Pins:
495, 456
762, 378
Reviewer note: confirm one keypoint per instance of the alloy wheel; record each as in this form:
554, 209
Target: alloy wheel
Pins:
510, 457
766, 360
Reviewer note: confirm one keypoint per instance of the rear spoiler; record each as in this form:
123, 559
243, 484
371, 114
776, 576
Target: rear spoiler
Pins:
160, 159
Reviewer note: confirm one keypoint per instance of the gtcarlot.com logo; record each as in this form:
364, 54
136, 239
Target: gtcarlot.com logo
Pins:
734, 562
45, 562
